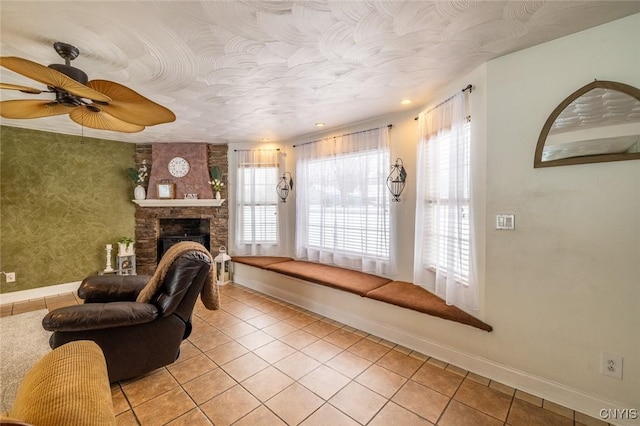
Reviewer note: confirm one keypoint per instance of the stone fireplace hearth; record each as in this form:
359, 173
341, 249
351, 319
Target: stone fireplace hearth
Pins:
148, 230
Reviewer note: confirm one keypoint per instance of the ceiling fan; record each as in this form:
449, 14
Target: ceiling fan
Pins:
99, 104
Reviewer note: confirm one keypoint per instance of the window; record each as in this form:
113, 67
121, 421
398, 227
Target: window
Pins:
444, 251
257, 229
343, 203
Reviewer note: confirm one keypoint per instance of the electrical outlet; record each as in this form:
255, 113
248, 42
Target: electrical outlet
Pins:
611, 365
11, 277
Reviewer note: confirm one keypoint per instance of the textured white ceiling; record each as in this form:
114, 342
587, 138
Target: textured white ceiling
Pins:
237, 71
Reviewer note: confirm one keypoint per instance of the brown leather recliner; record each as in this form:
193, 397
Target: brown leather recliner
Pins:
135, 337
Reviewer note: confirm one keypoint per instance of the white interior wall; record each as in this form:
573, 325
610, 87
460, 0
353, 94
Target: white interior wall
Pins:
565, 285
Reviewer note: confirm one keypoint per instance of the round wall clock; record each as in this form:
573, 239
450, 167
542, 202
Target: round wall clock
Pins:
178, 167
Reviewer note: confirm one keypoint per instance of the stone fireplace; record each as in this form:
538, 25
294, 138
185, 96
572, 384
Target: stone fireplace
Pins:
158, 226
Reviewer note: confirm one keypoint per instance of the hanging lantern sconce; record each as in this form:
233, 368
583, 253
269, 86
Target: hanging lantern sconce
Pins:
285, 186
397, 179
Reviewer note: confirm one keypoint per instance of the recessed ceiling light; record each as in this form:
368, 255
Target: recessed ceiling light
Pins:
406, 101
319, 124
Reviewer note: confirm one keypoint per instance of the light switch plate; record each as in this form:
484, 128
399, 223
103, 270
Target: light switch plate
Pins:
506, 222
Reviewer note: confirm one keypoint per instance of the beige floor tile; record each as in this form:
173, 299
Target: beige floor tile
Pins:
296, 365
206, 342
399, 363
342, 338
329, 415
482, 398
191, 368
588, 420
120, 403
369, 350
187, 350
208, 385
558, 409
321, 350
298, 339
438, 379
261, 416
320, 328
244, 366
164, 408
421, 400
226, 352
149, 386
300, 320
294, 404
531, 399
126, 419
458, 414
246, 313
254, 340
201, 328
358, 402
230, 406
194, 417
279, 329
274, 351
524, 414
478, 379
262, 321
267, 383
324, 381
393, 414
502, 388
380, 380
349, 364
283, 313
238, 330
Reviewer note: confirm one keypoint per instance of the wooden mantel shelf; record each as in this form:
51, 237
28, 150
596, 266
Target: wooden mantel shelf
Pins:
186, 202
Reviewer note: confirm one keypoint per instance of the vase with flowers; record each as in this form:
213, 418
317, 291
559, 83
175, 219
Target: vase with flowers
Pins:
138, 176
216, 181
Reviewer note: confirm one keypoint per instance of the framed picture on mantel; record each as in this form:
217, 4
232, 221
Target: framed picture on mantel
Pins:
165, 190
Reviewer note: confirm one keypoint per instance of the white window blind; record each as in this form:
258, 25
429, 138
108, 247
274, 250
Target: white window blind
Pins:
444, 246
257, 224
343, 203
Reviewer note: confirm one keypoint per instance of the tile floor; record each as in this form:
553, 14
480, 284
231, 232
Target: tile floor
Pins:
259, 361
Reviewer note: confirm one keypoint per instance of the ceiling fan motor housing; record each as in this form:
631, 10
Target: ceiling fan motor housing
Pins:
71, 72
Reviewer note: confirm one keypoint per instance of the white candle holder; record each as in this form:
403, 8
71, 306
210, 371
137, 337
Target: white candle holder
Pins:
109, 268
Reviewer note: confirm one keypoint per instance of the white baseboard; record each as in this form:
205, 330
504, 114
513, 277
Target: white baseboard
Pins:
347, 309
36, 293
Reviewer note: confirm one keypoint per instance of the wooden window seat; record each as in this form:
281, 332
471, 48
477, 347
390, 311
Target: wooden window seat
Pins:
399, 293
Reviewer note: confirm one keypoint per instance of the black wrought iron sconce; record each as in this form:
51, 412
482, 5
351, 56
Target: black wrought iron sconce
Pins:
285, 186
397, 179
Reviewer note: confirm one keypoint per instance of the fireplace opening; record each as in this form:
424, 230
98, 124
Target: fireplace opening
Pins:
173, 231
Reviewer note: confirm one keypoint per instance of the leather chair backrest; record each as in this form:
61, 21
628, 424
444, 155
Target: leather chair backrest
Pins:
182, 284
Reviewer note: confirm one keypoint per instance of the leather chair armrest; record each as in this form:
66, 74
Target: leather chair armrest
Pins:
96, 316
111, 288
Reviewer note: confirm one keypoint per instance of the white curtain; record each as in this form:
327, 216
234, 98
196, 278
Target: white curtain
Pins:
342, 204
445, 261
257, 218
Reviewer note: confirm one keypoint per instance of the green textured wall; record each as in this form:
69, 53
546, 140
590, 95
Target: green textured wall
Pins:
62, 199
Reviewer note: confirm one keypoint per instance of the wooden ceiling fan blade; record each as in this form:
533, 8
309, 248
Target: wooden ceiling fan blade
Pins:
101, 120
128, 105
32, 109
24, 89
51, 77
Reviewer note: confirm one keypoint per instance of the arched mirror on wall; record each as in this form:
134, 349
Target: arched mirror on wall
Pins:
596, 123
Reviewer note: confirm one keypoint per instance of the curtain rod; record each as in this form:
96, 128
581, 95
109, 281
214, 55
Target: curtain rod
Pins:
249, 150
389, 126
469, 88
